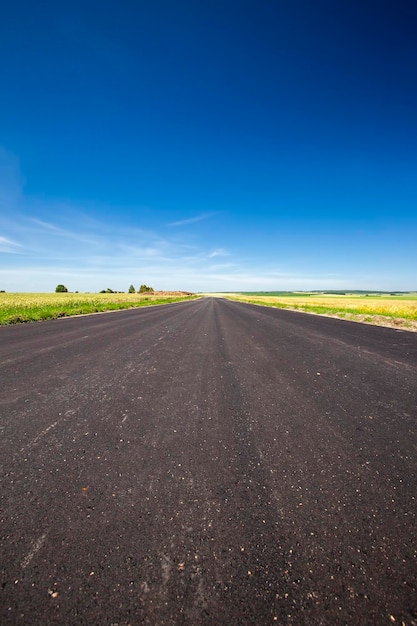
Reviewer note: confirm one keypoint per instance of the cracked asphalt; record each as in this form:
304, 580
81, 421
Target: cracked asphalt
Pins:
208, 462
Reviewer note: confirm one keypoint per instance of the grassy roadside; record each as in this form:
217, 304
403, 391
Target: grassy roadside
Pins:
391, 311
17, 308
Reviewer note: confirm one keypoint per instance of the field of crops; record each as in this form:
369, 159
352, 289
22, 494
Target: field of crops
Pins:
395, 310
30, 307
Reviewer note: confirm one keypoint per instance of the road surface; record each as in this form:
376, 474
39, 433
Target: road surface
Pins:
208, 462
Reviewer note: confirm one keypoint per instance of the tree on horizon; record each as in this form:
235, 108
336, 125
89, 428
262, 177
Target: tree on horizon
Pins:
144, 289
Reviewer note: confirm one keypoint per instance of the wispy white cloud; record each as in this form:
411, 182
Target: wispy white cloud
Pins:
59, 231
7, 245
218, 252
192, 220
46, 225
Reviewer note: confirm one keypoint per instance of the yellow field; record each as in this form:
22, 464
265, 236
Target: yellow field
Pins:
26, 307
399, 311
43, 299
27, 299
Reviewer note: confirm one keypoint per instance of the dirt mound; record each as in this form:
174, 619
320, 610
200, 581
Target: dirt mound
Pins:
169, 293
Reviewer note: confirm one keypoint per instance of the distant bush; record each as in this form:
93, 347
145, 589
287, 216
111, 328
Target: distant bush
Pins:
61, 289
145, 289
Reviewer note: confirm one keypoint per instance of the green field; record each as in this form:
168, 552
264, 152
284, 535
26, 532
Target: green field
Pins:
16, 308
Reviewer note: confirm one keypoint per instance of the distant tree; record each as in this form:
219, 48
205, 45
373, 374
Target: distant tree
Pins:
145, 289
132, 289
61, 289
108, 290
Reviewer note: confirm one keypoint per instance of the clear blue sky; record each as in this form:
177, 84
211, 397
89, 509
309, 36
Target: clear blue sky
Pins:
208, 145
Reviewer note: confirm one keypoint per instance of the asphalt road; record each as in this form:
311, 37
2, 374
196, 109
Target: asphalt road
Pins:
208, 463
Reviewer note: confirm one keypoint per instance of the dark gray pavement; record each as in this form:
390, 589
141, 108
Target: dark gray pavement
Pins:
208, 462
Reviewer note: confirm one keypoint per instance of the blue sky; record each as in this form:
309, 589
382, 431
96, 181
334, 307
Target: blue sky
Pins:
208, 146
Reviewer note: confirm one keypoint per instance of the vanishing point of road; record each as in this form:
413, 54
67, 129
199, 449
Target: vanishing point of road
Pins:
208, 462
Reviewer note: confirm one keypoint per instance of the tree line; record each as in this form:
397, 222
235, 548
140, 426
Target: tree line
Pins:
142, 289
